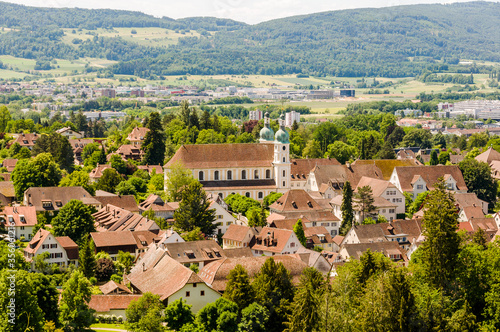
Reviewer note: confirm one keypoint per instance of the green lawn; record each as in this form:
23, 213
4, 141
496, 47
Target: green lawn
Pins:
108, 326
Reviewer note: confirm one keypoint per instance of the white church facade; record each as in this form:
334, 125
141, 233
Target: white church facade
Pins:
249, 169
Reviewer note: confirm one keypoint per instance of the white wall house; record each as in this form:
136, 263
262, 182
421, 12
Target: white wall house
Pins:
62, 250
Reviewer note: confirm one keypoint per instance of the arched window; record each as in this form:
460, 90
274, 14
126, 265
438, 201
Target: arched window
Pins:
284, 173
229, 175
284, 148
247, 194
256, 174
283, 159
268, 173
216, 175
200, 175
260, 195
221, 195
243, 175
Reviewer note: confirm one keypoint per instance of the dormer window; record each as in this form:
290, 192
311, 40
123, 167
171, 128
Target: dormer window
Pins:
25, 142
22, 219
47, 204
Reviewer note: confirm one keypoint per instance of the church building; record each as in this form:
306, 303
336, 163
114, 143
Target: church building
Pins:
249, 169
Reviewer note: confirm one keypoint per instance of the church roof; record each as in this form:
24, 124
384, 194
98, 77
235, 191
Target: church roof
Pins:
224, 155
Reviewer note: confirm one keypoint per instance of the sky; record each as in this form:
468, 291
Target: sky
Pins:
248, 11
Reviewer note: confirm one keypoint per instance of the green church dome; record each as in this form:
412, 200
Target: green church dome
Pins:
267, 134
281, 135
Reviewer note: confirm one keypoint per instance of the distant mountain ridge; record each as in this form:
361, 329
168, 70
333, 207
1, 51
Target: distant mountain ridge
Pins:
393, 41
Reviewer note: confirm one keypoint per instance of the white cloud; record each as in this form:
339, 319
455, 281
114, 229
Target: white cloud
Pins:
249, 11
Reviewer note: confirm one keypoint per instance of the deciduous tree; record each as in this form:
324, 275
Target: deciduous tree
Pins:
74, 220
75, 312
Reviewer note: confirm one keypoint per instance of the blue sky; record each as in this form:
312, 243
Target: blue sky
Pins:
249, 11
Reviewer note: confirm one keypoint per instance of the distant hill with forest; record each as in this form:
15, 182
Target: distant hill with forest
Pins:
393, 42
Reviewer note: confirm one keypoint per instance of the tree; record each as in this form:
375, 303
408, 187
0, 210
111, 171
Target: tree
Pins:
104, 269
74, 220
44, 288
253, 318
274, 290
154, 141
238, 287
177, 177
58, 146
324, 135
125, 261
4, 118
145, 314
194, 210
6, 258
418, 137
386, 152
400, 301
221, 315
271, 198
257, 216
109, 180
177, 314
90, 154
298, 229
118, 164
306, 305
40, 171
440, 249
312, 150
477, 177
443, 157
86, 258
434, 158
27, 315
346, 208
364, 201
76, 179
75, 312
340, 151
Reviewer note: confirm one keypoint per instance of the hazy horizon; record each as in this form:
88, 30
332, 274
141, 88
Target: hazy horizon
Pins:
244, 11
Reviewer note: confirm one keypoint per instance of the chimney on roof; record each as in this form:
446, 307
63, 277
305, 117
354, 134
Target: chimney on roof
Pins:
143, 266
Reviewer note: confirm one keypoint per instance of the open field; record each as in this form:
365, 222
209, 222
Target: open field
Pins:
156, 37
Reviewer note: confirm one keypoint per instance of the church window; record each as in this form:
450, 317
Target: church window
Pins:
260, 195
247, 194
284, 173
284, 159
200, 175
216, 175
284, 148
256, 174
243, 175
229, 175
268, 173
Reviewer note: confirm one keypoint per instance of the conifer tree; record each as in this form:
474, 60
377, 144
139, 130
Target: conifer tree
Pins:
346, 208
441, 246
154, 141
238, 288
86, 259
194, 210
306, 305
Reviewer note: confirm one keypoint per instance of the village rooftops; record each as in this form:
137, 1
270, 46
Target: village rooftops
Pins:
300, 168
54, 198
113, 218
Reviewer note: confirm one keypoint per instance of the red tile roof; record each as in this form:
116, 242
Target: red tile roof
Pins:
430, 175
301, 168
28, 213
105, 303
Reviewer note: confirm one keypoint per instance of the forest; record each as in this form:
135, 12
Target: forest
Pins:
392, 42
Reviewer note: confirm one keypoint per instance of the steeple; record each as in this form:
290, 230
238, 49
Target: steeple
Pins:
266, 133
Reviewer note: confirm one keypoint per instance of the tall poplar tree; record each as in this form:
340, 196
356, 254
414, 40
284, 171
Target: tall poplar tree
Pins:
346, 208
86, 259
238, 288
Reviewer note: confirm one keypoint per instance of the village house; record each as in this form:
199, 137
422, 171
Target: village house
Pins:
387, 165
403, 232
215, 274
52, 199
96, 173
251, 170
7, 193
112, 218
70, 133
22, 218
62, 250
126, 202
112, 304
135, 242
223, 218
337, 175
196, 253
27, 140
464, 200
136, 137
9, 164
301, 168
112, 287
275, 241
151, 169
239, 236
78, 145
391, 250
418, 179
160, 208
297, 203
168, 236
129, 151
161, 274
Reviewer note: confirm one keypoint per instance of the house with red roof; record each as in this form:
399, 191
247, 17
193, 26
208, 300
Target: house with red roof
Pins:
62, 250
22, 218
